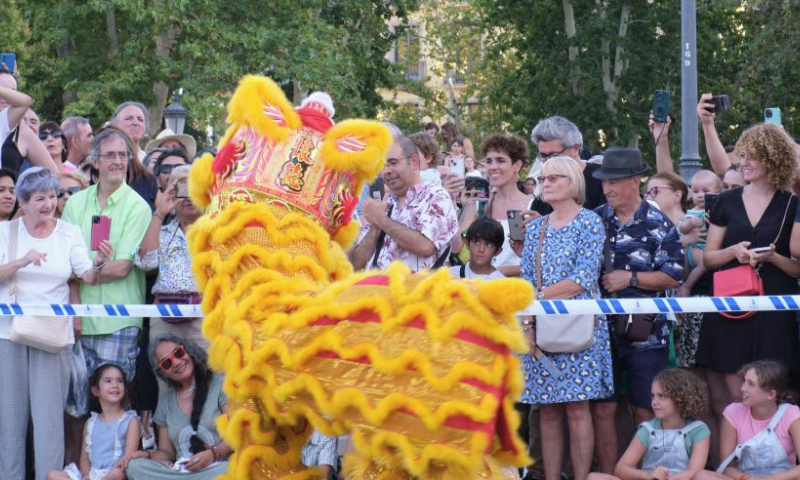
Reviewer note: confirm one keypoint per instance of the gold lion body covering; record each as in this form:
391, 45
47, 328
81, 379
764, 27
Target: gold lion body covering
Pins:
419, 368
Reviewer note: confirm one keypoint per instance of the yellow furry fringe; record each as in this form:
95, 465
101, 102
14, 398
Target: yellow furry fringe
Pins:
248, 102
367, 163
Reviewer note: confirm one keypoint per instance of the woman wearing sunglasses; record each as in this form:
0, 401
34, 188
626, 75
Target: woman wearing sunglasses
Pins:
68, 185
56, 143
189, 446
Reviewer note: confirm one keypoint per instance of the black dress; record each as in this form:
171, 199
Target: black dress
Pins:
725, 344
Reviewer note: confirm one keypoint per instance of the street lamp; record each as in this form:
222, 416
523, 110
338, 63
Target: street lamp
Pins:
175, 115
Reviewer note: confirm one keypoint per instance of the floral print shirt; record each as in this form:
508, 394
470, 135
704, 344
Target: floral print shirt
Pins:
428, 210
172, 261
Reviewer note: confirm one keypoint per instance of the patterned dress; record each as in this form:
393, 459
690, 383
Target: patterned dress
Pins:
573, 252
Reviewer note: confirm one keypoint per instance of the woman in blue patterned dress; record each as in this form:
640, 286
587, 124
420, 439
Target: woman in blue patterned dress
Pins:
570, 260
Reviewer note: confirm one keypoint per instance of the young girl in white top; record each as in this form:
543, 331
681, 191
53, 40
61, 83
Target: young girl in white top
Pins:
111, 434
672, 446
760, 436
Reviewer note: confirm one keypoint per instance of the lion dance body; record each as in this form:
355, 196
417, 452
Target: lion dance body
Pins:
418, 368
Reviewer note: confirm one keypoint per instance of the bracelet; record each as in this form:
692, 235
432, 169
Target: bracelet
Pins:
215, 452
97, 268
156, 214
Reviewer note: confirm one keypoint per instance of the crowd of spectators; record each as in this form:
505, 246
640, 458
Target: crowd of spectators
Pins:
604, 228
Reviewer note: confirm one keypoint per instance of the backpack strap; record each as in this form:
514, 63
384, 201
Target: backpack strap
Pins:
463, 271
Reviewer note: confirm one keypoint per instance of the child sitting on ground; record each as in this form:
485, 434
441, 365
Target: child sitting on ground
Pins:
672, 446
484, 239
111, 434
758, 436
703, 182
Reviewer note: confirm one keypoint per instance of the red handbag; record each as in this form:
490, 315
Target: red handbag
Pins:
741, 281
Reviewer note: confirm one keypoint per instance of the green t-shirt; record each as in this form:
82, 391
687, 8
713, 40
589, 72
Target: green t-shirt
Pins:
695, 435
130, 216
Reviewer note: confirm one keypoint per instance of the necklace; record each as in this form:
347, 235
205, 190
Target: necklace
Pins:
189, 392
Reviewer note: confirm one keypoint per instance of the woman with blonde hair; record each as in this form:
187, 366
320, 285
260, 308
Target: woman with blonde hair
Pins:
752, 226
561, 256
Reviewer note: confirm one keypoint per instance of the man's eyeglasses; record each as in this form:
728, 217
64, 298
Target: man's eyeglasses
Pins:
111, 156
50, 133
166, 169
550, 178
547, 156
653, 192
68, 191
167, 362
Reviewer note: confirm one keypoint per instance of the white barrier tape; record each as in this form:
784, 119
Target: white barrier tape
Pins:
66, 310
663, 305
543, 307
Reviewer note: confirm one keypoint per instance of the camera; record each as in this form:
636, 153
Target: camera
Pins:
95, 219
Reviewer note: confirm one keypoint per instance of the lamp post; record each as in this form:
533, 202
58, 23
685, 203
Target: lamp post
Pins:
175, 115
690, 156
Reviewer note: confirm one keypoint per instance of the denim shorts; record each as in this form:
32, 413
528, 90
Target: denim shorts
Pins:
641, 368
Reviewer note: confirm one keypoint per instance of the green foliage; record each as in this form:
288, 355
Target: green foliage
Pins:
85, 57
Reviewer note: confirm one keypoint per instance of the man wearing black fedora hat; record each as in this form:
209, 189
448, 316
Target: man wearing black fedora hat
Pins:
643, 258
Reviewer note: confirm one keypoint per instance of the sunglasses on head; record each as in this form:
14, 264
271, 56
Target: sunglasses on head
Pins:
71, 191
167, 362
50, 133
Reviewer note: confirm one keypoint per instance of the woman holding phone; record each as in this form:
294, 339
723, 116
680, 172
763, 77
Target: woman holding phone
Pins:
505, 155
39, 255
752, 225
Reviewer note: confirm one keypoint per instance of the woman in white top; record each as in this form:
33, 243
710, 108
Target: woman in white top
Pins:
505, 155
48, 253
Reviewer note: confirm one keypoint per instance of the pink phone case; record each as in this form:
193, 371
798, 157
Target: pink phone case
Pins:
101, 230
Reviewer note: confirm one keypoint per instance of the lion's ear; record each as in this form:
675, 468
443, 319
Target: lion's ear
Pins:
357, 145
260, 103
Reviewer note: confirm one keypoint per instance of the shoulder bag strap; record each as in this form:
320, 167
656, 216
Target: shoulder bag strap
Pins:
12, 252
441, 259
381, 239
539, 253
607, 250
786, 212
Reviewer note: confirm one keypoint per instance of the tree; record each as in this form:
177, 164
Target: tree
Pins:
88, 56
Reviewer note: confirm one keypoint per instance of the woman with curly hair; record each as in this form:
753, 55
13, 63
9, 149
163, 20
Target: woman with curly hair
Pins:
189, 446
672, 446
752, 225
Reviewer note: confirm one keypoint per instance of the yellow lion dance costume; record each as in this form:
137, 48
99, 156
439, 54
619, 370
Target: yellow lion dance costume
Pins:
418, 368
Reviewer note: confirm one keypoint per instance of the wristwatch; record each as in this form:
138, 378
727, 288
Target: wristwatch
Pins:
540, 295
634, 280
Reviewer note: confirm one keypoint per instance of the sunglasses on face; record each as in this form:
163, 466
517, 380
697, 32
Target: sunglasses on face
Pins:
167, 362
165, 169
50, 133
68, 191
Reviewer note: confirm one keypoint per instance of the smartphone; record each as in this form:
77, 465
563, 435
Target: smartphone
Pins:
516, 231
711, 199
101, 230
773, 115
760, 249
10, 59
376, 196
722, 103
660, 106
456, 165
182, 190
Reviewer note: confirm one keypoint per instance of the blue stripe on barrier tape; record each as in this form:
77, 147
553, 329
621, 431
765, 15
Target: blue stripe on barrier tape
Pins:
790, 302
777, 302
548, 308
676, 307
560, 307
662, 306
162, 309
110, 310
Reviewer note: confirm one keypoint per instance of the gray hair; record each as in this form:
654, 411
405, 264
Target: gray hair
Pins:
406, 145
70, 126
106, 134
115, 118
197, 354
557, 128
35, 180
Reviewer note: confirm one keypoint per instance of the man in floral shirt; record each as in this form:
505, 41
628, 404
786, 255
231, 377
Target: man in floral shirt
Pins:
419, 219
646, 259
